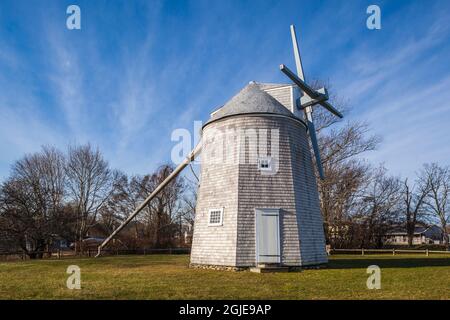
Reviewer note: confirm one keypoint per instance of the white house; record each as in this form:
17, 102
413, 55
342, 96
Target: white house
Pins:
422, 235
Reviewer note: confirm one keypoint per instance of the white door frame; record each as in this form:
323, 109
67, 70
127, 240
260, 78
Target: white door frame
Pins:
272, 212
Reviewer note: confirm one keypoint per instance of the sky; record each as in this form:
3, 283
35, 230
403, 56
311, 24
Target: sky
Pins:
137, 70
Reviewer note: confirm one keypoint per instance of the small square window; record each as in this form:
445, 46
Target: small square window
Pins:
215, 217
265, 163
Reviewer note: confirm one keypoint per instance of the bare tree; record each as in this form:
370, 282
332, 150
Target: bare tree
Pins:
32, 201
189, 203
341, 147
379, 207
159, 223
413, 201
339, 195
188, 206
128, 195
165, 206
346, 142
91, 183
437, 201
117, 207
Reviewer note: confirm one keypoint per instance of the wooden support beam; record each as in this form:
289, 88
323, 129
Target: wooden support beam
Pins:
160, 187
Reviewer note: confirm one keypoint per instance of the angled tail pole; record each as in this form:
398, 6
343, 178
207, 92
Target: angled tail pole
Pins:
155, 192
313, 97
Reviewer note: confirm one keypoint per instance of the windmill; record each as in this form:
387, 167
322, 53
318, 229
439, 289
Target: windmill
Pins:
245, 218
309, 99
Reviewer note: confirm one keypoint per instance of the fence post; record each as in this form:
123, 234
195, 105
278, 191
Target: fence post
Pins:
393, 252
427, 252
362, 251
144, 251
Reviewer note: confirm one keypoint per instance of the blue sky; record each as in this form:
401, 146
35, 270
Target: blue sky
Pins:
137, 70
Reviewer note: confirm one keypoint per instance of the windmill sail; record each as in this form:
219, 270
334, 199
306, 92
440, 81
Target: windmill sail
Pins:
315, 97
298, 60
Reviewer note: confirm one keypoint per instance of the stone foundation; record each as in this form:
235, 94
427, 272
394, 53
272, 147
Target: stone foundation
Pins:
236, 269
216, 267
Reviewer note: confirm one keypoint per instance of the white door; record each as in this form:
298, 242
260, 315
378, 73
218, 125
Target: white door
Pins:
267, 236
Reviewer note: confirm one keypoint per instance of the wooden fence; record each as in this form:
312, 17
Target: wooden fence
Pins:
59, 254
388, 251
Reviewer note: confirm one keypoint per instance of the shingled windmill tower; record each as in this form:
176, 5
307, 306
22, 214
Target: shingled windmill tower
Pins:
258, 201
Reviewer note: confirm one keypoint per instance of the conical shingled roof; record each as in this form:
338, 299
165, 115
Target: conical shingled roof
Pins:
251, 99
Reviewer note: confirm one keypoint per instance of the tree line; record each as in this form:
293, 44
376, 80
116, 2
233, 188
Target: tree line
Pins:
51, 195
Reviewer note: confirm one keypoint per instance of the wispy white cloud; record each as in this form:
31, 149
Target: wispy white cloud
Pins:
24, 126
395, 88
66, 79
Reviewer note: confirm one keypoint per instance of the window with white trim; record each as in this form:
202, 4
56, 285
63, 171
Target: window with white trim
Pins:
215, 217
265, 163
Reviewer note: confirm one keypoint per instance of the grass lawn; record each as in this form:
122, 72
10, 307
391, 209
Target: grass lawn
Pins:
168, 277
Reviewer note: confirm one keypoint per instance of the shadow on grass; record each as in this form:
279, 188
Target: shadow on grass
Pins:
388, 263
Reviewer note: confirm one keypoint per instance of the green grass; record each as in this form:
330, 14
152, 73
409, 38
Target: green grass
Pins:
168, 277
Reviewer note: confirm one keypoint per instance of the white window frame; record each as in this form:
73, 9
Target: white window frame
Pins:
216, 224
269, 163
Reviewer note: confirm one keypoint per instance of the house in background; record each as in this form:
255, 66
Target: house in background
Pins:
422, 235
59, 243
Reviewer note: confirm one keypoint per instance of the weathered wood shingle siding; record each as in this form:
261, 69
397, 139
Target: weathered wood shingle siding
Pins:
267, 191
283, 95
287, 96
216, 245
